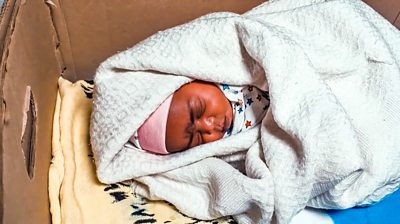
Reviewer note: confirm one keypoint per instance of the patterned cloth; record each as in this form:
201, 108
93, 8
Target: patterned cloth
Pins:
249, 105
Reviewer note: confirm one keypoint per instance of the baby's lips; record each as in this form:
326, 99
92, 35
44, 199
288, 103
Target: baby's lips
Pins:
227, 123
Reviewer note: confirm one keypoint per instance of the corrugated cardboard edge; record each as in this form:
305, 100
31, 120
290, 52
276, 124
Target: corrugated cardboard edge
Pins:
7, 14
64, 52
7, 21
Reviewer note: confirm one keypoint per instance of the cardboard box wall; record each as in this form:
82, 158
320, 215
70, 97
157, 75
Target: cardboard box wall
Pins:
41, 40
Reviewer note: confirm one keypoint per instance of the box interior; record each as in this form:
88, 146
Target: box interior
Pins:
41, 40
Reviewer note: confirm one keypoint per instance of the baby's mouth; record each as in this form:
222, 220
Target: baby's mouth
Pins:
220, 126
227, 123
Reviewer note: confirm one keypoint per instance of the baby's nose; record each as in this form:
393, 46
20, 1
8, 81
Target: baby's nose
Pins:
208, 125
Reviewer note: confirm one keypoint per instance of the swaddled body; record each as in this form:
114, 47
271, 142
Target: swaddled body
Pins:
329, 139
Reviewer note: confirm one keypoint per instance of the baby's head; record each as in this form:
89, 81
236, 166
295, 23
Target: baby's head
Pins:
199, 113
195, 114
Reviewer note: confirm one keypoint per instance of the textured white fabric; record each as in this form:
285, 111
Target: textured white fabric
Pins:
331, 135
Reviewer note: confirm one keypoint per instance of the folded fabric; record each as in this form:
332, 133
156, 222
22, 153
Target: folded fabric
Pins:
330, 138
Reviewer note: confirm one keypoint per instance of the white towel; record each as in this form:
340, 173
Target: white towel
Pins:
330, 139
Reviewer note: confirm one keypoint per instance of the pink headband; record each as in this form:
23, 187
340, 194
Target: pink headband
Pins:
151, 134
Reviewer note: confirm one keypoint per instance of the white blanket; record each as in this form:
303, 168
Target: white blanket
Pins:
330, 139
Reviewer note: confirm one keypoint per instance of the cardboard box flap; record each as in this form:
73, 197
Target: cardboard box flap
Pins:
30, 68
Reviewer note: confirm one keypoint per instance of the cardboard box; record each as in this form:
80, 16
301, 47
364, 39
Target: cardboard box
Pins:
43, 39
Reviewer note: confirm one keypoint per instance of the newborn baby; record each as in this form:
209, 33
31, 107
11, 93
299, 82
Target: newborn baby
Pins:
198, 113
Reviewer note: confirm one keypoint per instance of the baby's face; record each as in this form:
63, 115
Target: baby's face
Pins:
199, 113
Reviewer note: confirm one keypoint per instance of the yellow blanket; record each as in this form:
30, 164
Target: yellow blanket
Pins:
76, 196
